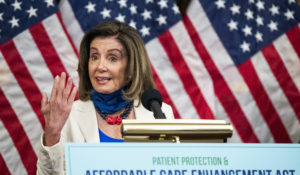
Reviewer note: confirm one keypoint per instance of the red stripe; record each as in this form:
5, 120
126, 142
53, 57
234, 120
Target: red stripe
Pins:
221, 88
23, 77
18, 135
283, 77
3, 168
184, 73
67, 34
294, 37
48, 52
264, 103
166, 98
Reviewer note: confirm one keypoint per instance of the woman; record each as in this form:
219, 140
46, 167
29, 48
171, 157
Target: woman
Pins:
114, 70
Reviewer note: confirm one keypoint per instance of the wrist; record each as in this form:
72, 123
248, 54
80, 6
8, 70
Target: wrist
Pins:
50, 139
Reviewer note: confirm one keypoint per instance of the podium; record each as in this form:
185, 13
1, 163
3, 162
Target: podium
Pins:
180, 130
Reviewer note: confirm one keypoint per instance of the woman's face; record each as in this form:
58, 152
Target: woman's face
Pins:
107, 64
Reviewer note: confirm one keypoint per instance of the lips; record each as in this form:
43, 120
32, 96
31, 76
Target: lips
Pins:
103, 79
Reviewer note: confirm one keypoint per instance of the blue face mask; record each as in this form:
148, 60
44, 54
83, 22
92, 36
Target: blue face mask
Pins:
108, 103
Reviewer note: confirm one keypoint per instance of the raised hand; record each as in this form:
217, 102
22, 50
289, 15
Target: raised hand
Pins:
56, 111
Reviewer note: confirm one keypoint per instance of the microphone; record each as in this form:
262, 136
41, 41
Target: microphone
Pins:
152, 100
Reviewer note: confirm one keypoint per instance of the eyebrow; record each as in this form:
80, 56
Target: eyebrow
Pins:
94, 48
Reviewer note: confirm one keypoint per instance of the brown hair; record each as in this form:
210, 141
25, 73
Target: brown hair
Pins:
139, 74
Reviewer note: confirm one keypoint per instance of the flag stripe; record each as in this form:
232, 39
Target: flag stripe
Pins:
62, 47
191, 58
289, 58
263, 102
34, 61
67, 34
222, 90
18, 135
46, 48
20, 104
170, 80
294, 37
10, 153
72, 25
22, 75
228, 71
188, 81
222, 115
3, 168
276, 95
283, 77
164, 93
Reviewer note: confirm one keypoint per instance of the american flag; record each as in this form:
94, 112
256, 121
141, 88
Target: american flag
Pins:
237, 61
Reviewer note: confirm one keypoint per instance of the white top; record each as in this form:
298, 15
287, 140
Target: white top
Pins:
81, 126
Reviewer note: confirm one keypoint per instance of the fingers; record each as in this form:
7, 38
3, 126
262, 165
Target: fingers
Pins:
44, 102
72, 96
67, 90
54, 88
61, 87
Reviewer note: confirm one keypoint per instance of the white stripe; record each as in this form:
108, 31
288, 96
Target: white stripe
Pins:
222, 115
289, 58
170, 80
62, 46
228, 70
194, 63
34, 61
278, 99
9, 153
20, 105
71, 23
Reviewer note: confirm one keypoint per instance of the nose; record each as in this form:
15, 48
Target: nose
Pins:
102, 65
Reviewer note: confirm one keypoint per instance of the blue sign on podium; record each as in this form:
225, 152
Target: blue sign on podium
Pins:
182, 159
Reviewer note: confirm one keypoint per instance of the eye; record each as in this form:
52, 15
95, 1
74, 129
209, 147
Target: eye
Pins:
94, 57
113, 59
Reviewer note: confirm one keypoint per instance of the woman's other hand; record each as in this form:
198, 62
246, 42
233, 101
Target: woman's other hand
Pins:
57, 109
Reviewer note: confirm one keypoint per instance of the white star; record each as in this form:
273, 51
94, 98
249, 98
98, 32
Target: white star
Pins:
249, 14
235, 9
146, 14
149, 1
122, 3
1, 16
245, 46
132, 24
133, 9
49, 3
175, 9
161, 20
260, 5
251, 1
14, 22
274, 10
90, 7
291, 1
163, 4
145, 31
17, 5
32, 12
120, 17
247, 30
2, 1
105, 13
289, 14
258, 37
232, 25
220, 4
273, 26
259, 21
